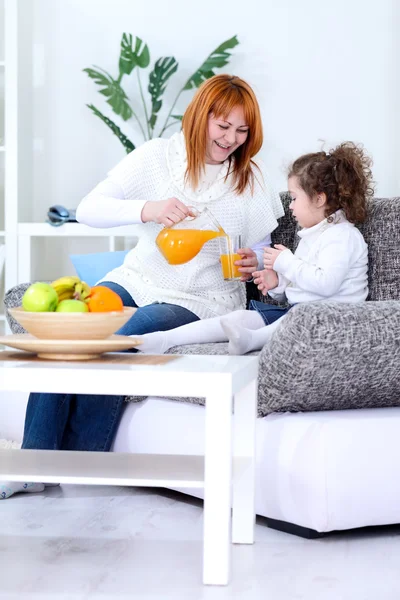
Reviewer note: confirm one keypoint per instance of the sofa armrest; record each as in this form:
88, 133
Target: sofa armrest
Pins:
332, 356
12, 299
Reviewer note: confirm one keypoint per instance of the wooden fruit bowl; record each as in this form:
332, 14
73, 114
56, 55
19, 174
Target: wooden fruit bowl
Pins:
72, 326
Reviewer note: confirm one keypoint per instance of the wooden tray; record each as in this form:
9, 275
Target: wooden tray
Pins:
68, 349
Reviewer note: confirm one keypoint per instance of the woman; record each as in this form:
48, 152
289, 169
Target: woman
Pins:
209, 164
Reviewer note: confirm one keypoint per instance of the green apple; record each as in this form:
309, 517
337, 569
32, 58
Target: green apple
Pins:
72, 306
40, 297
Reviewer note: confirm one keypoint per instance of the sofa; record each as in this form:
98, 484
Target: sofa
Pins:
329, 400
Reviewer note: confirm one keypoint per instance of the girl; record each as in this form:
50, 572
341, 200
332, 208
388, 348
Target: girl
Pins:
210, 163
329, 192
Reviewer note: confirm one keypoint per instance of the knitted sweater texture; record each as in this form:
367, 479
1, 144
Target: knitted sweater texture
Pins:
156, 171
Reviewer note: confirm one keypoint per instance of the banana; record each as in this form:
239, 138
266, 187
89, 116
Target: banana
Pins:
82, 291
65, 287
66, 280
67, 295
64, 293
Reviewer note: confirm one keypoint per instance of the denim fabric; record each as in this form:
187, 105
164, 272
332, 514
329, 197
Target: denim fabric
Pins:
84, 422
72, 422
269, 312
153, 317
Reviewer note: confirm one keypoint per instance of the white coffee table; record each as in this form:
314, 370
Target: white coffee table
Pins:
226, 382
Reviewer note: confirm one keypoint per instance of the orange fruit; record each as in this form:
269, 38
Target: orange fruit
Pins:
102, 299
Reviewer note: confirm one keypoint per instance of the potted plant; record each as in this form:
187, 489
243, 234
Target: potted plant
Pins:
135, 56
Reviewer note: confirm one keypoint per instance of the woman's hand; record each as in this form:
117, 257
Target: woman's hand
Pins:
266, 280
165, 212
248, 263
271, 254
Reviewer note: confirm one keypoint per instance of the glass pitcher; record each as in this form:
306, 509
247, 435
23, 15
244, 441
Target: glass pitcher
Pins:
183, 241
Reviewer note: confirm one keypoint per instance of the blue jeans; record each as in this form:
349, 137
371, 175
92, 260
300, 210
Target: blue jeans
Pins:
153, 317
86, 422
269, 312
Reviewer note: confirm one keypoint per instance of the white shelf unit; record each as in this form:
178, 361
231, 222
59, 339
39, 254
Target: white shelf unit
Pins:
2, 151
15, 233
9, 143
26, 232
74, 230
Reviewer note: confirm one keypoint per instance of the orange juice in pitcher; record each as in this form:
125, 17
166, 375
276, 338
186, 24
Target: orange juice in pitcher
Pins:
179, 246
184, 240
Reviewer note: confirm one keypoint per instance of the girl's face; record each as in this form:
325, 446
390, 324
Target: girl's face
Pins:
307, 212
225, 135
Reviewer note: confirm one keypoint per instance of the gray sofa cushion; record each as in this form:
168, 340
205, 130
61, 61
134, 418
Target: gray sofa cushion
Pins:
285, 233
326, 356
12, 299
381, 231
332, 356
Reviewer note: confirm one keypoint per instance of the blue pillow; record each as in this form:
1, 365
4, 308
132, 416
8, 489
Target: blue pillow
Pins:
93, 267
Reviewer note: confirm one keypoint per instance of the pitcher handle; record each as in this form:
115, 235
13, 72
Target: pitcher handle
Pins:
195, 213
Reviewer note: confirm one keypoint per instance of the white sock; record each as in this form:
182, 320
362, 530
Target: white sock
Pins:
245, 339
9, 488
199, 332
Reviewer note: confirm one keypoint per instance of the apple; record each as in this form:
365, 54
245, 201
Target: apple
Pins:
72, 306
40, 297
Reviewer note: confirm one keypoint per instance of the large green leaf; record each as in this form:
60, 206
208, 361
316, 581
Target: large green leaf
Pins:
114, 128
116, 96
133, 57
217, 59
164, 68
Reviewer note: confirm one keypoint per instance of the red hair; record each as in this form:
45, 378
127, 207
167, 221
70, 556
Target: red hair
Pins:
219, 95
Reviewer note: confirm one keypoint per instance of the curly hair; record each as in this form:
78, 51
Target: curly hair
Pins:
343, 174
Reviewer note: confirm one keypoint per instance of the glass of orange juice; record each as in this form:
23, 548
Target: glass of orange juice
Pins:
229, 246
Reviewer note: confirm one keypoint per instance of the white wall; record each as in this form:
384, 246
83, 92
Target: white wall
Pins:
321, 70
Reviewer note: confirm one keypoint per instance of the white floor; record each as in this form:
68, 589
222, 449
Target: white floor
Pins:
83, 542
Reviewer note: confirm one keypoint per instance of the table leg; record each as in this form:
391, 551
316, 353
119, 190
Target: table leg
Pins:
218, 487
244, 425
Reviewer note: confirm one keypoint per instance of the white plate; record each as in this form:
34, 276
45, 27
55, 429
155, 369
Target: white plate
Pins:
68, 349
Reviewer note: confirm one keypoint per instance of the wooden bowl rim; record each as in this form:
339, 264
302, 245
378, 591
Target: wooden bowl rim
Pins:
18, 310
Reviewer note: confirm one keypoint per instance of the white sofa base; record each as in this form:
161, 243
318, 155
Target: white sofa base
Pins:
322, 471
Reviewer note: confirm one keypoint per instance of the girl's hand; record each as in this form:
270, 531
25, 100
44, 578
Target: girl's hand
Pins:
271, 254
247, 264
266, 280
165, 212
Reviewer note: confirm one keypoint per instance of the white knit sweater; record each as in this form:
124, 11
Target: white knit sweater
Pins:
330, 263
155, 171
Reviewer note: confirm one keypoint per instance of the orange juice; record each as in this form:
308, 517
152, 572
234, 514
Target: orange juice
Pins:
179, 246
229, 269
